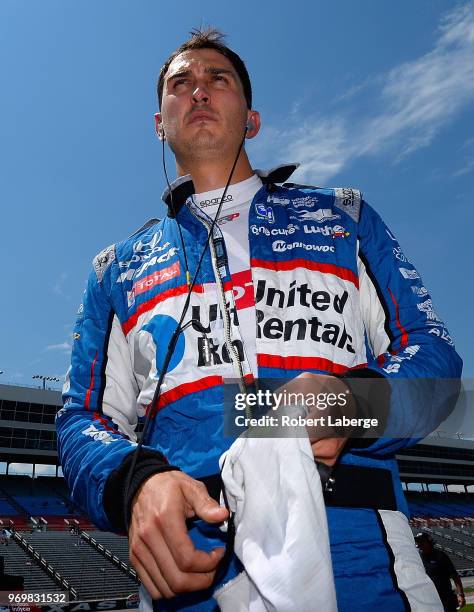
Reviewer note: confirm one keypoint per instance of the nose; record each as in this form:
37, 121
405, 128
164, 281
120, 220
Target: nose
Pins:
201, 94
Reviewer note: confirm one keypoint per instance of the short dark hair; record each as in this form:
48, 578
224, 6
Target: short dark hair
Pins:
208, 38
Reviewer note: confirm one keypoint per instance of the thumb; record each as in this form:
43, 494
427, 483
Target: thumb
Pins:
204, 506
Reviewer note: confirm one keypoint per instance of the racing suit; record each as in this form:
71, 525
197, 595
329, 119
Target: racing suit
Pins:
333, 293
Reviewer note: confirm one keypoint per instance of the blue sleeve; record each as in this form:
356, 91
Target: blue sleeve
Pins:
96, 426
409, 345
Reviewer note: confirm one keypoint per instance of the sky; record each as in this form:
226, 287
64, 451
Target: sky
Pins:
372, 95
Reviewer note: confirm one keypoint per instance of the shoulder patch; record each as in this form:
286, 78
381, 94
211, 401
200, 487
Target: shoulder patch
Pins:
348, 200
103, 260
145, 226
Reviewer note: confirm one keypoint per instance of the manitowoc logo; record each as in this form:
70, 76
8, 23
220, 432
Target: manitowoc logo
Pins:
280, 246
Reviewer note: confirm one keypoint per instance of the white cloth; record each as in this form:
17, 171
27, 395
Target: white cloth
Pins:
273, 487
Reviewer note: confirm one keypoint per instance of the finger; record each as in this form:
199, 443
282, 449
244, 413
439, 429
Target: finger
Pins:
173, 529
177, 579
149, 584
201, 504
145, 564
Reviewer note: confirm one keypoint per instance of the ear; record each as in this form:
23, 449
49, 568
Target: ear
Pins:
253, 121
159, 127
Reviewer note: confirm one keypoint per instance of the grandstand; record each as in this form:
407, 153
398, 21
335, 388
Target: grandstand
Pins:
44, 536
55, 547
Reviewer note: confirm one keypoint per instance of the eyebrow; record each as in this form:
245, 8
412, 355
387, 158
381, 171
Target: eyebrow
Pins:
207, 70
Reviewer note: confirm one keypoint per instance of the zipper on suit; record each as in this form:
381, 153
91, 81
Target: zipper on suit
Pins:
233, 353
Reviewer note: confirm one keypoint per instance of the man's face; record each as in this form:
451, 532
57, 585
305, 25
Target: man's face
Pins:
203, 111
424, 545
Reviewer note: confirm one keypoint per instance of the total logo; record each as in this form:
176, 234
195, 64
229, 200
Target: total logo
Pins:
280, 246
274, 231
148, 282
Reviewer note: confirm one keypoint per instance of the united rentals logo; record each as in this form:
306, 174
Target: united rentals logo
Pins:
299, 314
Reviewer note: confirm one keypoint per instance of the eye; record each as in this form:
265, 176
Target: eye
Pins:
179, 82
220, 78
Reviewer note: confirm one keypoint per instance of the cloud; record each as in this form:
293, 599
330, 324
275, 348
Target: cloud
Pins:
58, 287
63, 346
409, 106
466, 169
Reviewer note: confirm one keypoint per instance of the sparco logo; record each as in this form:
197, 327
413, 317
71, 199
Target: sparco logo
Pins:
215, 201
280, 246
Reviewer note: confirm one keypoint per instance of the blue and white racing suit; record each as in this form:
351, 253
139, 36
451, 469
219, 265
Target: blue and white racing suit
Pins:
333, 294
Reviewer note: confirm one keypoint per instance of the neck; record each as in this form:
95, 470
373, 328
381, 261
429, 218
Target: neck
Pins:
214, 174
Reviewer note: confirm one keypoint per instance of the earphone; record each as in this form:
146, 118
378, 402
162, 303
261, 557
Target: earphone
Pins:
249, 125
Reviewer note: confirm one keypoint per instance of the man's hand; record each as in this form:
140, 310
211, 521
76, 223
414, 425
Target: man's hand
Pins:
326, 445
461, 600
160, 548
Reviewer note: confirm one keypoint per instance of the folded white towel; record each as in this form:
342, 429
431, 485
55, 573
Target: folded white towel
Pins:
273, 487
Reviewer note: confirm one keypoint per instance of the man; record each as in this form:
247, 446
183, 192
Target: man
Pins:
319, 291
440, 569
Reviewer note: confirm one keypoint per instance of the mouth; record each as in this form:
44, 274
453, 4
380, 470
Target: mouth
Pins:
199, 116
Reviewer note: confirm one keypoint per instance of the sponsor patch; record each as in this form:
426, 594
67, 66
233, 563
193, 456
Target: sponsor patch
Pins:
274, 231
421, 291
103, 260
243, 289
144, 247
273, 199
280, 246
148, 282
265, 212
156, 259
99, 436
409, 274
339, 232
215, 201
319, 216
427, 308
396, 360
397, 251
348, 200
228, 218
